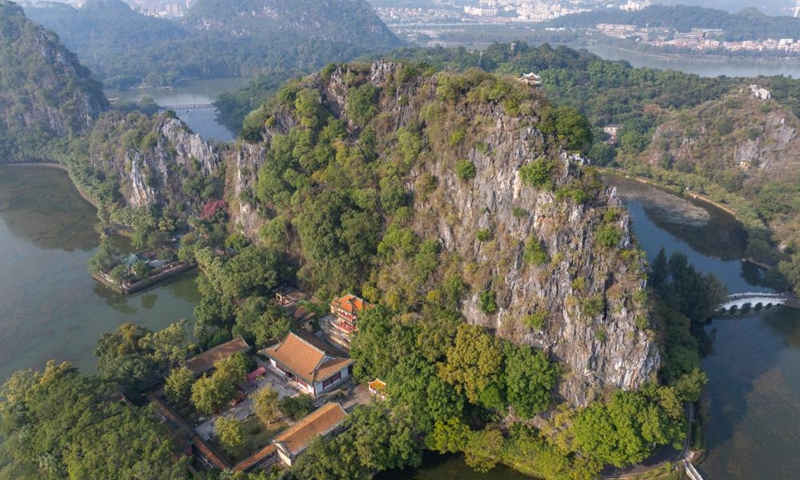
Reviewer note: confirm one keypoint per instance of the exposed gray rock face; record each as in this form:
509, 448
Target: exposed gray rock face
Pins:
740, 132
168, 165
599, 349
244, 163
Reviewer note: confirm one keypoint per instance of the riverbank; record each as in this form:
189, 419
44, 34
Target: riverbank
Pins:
673, 188
692, 58
131, 288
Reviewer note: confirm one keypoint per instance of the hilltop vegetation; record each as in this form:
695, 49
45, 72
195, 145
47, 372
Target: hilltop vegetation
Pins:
47, 99
215, 39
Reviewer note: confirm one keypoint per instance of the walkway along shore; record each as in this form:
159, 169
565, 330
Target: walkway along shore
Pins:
141, 285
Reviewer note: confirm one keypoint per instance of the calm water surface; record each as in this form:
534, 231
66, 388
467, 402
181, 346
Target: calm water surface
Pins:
50, 308
754, 371
730, 67
199, 92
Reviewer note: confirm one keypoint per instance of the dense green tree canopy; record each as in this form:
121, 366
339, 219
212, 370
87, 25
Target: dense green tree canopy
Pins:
59, 424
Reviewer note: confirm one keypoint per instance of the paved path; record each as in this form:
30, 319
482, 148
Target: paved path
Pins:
244, 409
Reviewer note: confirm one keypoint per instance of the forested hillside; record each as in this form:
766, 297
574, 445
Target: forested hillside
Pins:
748, 24
109, 38
215, 39
47, 98
504, 270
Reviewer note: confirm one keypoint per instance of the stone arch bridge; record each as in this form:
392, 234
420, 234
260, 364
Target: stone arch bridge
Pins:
751, 300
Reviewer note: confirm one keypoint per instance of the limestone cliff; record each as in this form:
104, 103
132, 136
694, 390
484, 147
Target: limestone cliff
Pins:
152, 161
442, 156
747, 146
738, 131
46, 96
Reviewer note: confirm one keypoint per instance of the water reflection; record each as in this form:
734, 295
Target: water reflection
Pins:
50, 307
35, 209
149, 300
753, 394
713, 232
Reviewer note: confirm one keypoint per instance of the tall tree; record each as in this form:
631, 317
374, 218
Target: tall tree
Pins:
530, 378
178, 386
474, 363
265, 404
230, 432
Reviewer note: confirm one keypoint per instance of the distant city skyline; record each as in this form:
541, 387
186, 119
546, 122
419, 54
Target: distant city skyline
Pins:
772, 7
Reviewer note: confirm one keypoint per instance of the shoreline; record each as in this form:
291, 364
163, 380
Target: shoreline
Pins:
64, 168
682, 193
696, 58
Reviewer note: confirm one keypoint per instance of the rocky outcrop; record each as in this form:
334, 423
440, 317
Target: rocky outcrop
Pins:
600, 351
46, 96
155, 161
737, 132
596, 325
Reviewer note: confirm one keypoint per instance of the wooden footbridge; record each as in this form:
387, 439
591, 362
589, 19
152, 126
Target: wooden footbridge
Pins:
738, 302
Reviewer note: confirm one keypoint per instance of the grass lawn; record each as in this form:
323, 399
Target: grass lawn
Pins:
258, 436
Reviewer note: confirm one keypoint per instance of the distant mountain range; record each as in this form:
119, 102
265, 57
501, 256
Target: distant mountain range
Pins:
217, 38
47, 98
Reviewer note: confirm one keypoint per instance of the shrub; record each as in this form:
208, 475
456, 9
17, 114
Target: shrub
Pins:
362, 103
537, 174
457, 137
609, 236
484, 234
536, 320
488, 302
519, 212
465, 170
576, 194
534, 254
594, 305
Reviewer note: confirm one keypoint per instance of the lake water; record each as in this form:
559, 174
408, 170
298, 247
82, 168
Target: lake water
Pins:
731, 67
198, 92
753, 396
50, 307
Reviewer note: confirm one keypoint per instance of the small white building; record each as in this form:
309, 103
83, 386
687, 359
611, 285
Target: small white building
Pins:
760, 93
309, 366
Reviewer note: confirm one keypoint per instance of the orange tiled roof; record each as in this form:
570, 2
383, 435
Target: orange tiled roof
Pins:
210, 454
350, 303
305, 360
206, 360
254, 459
377, 385
320, 422
331, 367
